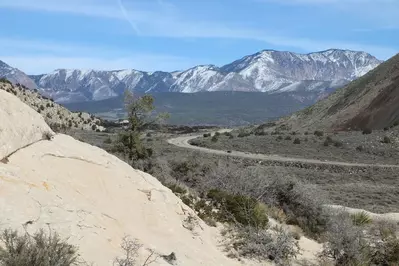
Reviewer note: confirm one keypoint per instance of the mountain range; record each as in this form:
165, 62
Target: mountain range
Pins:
370, 102
266, 71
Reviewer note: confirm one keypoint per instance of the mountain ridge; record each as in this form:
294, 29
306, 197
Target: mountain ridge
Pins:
267, 71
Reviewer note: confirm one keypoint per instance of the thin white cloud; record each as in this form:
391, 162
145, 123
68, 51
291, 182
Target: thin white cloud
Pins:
173, 25
127, 17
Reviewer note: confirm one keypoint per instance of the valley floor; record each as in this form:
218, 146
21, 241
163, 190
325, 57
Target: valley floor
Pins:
373, 189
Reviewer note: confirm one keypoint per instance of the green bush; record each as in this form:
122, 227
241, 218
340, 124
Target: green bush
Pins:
238, 208
386, 140
176, 188
243, 134
361, 219
38, 249
367, 131
228, 134
108, 140
215, 138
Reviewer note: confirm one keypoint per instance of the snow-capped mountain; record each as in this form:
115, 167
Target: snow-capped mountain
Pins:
15, 75
267, 71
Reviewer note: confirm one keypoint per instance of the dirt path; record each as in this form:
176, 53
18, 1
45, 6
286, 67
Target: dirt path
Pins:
183, 142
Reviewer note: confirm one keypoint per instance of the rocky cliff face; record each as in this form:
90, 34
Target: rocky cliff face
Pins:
266, 71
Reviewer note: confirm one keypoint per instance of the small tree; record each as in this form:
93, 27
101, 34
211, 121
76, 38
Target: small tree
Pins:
140, 116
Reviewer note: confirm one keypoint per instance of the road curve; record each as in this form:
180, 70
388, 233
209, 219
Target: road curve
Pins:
183, 142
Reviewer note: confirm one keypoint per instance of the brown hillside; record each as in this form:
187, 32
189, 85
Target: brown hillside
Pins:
372, 102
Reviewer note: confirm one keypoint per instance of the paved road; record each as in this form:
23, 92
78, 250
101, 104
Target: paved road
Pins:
183, 142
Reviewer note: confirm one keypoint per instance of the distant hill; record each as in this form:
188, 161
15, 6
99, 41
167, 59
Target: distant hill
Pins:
371, 101
208, 108
55, 115
16, 76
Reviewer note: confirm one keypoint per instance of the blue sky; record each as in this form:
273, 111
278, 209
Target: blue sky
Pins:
39, 36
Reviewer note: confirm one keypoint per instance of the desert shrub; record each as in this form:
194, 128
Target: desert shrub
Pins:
367, 131
360, 148
293, 133
42, 108
38, 249
386, 128
297, 141
48, 105
386, 140
188, 171
338, 143
47, 135
319, 133
238, 208
385, 244
361, 219
280, 248
306, 133
215, 138
227, 134
279, 138
395, 124
217, 134
302, 204
4, 80
243, 134
131, 248
176, 188
94, 127
206, 135
108, 140
288, 138
329, 140
345, 243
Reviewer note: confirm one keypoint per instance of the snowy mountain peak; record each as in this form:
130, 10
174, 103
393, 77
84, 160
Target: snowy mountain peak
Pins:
266, 71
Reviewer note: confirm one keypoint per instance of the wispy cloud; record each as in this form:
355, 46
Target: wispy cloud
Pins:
161, 19
127, 17
38, 56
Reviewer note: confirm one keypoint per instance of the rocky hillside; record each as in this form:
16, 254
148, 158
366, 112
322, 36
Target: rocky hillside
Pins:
16, 76
266, 71
371, 102
57, 116
92, 198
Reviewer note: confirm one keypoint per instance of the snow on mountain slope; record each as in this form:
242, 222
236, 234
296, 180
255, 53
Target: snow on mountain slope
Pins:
267, 71
16, 76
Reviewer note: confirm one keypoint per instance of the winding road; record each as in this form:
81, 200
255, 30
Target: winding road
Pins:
183, 142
